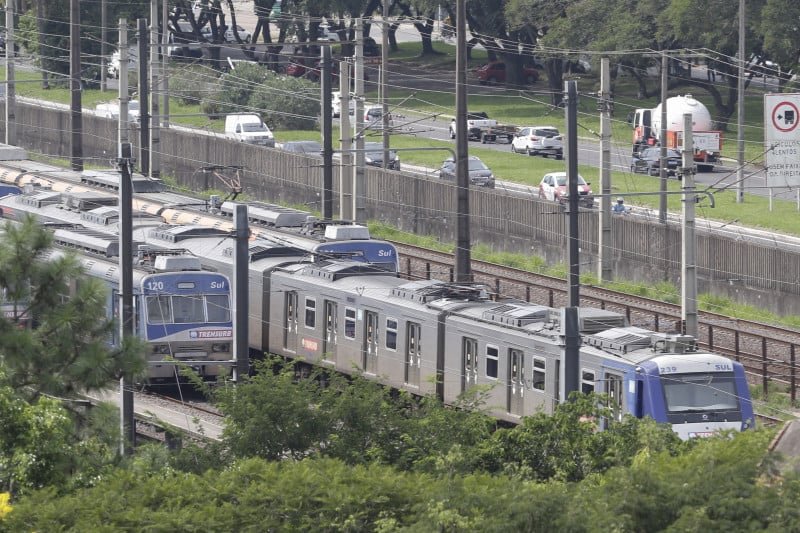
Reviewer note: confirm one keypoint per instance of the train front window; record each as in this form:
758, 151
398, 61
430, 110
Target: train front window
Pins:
219, 309
694, 393
188, 309
159, 310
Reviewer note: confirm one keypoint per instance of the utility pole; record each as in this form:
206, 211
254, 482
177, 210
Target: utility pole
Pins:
327, 134
241, 347
144, 100
345, 132
384, 82
155, 81
11, 90
662, 203
740, 111
127, 439
571, 98
689, 275
103, 44
604, 242
463, 257
76, 118
359, 202
124, 119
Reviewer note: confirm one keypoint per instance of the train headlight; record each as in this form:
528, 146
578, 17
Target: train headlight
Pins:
161, 349
221, 347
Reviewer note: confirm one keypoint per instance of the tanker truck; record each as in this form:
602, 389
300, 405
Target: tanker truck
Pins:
707, 142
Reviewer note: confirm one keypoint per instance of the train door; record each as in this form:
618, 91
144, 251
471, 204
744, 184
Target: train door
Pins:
290, 313
370, 353
331, 333
516, 382
613, 389
413, 356
469, 363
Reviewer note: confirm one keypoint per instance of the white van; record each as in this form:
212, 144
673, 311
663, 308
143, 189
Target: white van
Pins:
111, 110
336, 104
248, 128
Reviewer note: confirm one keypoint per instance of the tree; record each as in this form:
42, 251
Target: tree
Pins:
66, 347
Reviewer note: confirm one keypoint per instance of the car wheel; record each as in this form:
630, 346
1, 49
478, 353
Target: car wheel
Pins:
452, 133
531, 152
492, 80
633, 168
653, 171
247, 40
513, 150
559, 156
530, 80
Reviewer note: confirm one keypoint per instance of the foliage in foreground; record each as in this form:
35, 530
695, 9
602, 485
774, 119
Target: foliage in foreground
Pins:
721, 484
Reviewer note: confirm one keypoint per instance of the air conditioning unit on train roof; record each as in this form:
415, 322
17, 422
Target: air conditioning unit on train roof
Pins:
175, 263
673, 343
348, 232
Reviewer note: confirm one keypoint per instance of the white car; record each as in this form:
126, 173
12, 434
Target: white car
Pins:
532, 140
336, 104
555, 188
244, 35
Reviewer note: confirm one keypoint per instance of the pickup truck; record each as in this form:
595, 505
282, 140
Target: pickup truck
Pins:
484, 129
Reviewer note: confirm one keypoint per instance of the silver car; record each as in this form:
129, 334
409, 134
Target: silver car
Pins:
479, 173
533, 140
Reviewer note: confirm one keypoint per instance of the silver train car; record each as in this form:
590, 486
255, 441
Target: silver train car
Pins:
323, 238
431, 337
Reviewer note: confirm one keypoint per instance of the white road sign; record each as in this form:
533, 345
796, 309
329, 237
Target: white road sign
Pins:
782, 139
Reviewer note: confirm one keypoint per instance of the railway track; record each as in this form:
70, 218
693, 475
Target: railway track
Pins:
768, 352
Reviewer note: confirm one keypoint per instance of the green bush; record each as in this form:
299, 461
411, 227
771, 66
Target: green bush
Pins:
191, 84
287, 103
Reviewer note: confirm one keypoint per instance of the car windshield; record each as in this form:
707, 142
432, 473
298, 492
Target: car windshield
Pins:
375, 151
546, 132
477, 164
562, 181
686, 393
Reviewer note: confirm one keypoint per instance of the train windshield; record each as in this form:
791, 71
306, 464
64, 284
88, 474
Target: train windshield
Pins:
697, 393
193, 309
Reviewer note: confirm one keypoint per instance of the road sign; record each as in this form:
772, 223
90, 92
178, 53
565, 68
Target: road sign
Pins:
782, 139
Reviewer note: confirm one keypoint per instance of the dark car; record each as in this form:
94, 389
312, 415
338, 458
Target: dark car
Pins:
648, 161
303, 147
495, 72
479, 173
373, 156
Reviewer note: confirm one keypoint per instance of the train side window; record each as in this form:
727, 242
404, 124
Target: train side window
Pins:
539, 369
159, 310
587, 381
350, 323
391, 333
492, 361
219, 309
311, 312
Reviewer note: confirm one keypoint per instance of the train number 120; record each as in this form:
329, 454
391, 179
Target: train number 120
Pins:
154, 285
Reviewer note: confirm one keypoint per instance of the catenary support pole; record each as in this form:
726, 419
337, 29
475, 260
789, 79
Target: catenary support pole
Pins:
241, 348
385, 81
359, 188
164, 64
124, 122
572, 345
346, 134
571, 98
144, 99
155, 93
76, 116
327, 134
740, 110
127, 425
11, 89
604, 244
103, 44
689, 275
463, 259
662, 200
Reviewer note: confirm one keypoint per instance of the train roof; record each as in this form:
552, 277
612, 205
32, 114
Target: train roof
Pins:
636, 344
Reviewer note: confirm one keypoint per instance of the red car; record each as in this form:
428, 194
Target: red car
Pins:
495, 72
